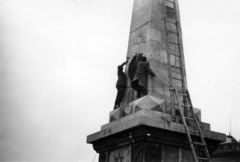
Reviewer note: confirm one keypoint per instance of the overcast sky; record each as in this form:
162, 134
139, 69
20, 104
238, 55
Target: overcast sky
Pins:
59, 61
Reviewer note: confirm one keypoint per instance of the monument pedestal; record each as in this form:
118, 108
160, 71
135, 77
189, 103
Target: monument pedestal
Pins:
143, 129
148, 136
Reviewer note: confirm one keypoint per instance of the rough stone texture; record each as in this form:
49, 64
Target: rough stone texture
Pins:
148, 135
148, 36
115, 114
143, 130
150, 103
153, 119
120, 154
177, 154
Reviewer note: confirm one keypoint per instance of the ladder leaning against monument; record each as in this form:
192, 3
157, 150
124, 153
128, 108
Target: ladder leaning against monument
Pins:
193, 144
174, 33
173, 30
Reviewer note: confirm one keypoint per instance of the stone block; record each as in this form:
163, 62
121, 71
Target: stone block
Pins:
198, 113
173, 156
138, 45
150, 103
141, 14
120, 154
185, 155
138, 31
177, 83
127, 110
157, 23
157, 9
149, 113
152, 119
153, 34
115, 114
172, 38
172, 26
176, 75
138, 4
169, 4
160, 56
172, 59
156, 45
174, 49
176, 70
139, 39
205, 126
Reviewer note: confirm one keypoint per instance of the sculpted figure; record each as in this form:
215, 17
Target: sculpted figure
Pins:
143, 69
121, 85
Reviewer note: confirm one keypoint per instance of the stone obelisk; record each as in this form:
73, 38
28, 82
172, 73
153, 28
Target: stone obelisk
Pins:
149, 35
143, 130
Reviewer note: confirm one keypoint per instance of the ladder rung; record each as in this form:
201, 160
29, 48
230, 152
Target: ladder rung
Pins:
193, 131
199, 144
181, 91
169, 31
200, 158
176, 78
174, 43
183, 94
188, 118
184, 117
174, 54
171, 11
169, 1
176, 66
185, 106
170, 21
188, 130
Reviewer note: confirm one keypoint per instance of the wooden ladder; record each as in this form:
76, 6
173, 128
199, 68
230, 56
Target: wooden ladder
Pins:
174, 46
193, 144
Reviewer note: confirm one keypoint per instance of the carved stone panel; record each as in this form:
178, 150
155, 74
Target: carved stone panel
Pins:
137, 152
152, 152
170, 154
120, 154
103, 157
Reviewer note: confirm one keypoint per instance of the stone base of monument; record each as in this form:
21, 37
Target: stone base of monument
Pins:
149, 103
145, 132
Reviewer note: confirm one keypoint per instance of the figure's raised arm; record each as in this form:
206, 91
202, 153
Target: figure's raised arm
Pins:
150, 70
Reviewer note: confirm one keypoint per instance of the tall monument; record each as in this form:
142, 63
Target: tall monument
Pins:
156, 32
149, 129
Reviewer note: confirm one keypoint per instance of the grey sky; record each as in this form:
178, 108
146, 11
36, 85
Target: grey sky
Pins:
59, 61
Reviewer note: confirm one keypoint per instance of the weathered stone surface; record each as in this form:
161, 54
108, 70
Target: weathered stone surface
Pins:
169, 4
148, 118
115, 114
153, 34
171, 153
148, 36
149, 113
197, 113
141, 14
147, 143
146, 102
120, 154
150, 103
161, 56
143, 129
